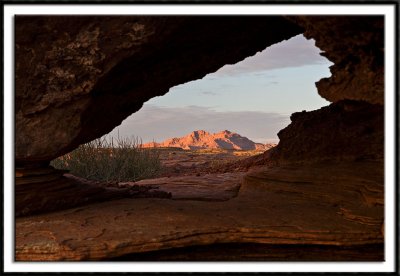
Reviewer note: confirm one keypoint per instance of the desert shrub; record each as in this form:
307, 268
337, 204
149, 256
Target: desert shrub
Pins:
114, 160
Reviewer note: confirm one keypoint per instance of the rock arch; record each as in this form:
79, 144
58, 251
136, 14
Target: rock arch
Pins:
76, 78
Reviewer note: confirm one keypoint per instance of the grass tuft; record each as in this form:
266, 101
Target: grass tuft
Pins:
115, 160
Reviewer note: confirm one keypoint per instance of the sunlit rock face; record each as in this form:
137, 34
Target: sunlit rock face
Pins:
79, 77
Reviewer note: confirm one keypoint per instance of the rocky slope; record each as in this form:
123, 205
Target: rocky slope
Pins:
201, 139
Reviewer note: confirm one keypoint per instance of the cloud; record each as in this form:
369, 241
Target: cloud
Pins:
159, 123
295, 52
209, 93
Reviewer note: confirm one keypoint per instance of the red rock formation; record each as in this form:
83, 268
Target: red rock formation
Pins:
200, 139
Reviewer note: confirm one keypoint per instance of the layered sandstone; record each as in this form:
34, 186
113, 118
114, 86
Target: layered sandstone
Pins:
327, 211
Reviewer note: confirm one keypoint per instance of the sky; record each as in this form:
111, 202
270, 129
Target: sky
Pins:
254, 97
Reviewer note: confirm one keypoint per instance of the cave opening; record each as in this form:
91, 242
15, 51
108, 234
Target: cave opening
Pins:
240, 107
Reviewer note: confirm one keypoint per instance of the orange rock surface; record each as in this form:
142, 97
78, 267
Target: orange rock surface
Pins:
200, 139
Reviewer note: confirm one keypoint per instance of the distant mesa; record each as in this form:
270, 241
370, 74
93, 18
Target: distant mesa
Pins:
201, 139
